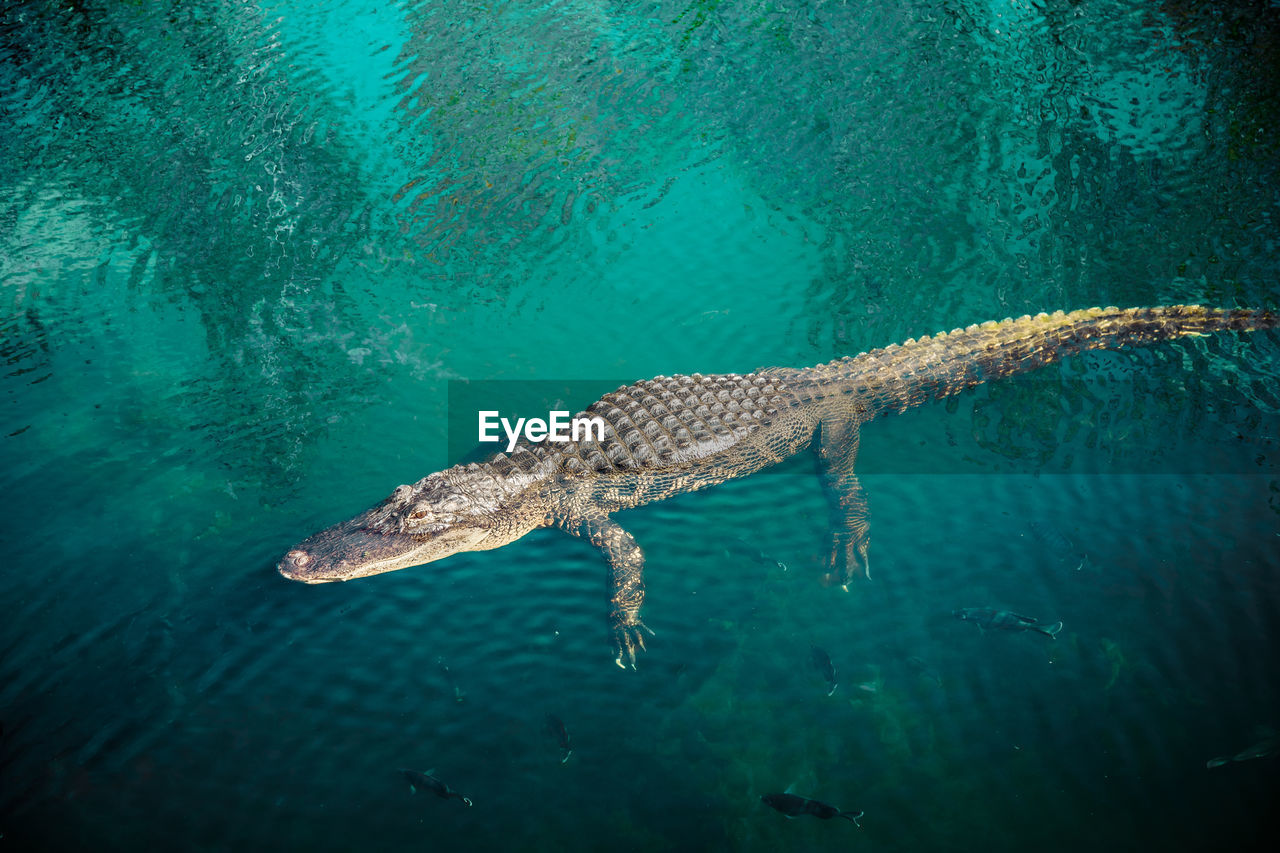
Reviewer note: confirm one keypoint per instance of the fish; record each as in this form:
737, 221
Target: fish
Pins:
793, 805
1058, 543
740, 547
459, 695
822, 663
427, 782
988, 617
1265, 748
556, 727
921, 668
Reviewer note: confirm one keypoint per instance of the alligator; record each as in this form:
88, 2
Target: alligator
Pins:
675, 434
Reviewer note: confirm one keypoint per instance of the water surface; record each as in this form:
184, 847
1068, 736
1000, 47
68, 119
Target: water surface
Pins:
246, 249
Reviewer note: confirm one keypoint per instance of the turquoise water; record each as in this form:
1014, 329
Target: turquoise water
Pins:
245, 251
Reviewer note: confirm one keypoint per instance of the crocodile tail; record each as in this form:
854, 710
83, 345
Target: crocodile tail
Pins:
898, 377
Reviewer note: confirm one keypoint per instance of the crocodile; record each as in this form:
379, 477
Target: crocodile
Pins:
674, 434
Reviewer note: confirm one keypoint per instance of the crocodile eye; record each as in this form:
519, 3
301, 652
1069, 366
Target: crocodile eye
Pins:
420, 514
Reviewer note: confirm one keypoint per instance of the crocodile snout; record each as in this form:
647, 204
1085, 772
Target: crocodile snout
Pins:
294, 565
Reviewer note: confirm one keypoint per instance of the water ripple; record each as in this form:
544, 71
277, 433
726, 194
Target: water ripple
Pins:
244, 248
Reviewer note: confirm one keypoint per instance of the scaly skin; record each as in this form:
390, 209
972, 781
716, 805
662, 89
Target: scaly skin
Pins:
670, 435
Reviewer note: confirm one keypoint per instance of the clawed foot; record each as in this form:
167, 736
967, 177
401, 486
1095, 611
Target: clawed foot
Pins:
626, 638
848, 559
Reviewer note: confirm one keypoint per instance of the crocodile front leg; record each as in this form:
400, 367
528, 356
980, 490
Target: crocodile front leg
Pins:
850, 533
626, 564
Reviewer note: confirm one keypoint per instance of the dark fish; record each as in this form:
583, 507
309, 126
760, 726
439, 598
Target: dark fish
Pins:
555, 726
794, 806
1058, 543
427, 782
822, 663
742, 548
987, 617
1266, 748
921, 668
459, 695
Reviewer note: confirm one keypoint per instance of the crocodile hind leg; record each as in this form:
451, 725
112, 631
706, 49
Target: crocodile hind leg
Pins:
626, 569
850, 533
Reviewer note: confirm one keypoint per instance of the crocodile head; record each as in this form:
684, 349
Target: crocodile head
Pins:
445, 513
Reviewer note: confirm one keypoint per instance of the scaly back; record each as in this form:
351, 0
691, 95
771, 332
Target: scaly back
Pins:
670, 423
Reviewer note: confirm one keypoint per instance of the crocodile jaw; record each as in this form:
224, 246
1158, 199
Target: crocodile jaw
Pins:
355, 550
